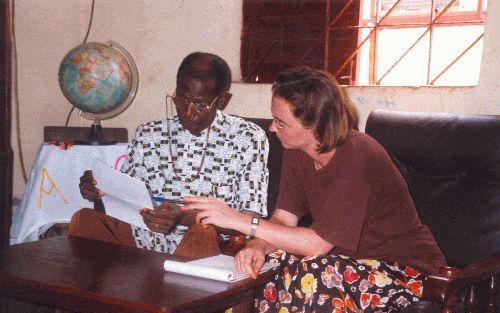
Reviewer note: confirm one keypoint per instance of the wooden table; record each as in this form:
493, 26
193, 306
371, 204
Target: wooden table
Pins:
84, 275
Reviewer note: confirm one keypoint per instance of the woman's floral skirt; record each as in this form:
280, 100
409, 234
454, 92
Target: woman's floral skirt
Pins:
336, 283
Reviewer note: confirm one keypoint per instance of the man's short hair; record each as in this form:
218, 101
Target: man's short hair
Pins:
194, 65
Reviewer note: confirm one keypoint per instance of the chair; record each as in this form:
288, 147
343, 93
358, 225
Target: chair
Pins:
451, 164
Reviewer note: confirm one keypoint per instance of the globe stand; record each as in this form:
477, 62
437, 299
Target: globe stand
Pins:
96, 137
111, 80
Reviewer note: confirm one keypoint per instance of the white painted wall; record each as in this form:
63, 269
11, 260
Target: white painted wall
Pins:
158, 34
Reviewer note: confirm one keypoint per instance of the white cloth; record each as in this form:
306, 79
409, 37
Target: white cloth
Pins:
52, 194
234, 170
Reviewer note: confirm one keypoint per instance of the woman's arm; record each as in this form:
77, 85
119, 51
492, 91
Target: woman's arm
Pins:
280, 231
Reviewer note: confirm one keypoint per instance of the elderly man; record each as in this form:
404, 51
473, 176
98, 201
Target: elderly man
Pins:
200, 151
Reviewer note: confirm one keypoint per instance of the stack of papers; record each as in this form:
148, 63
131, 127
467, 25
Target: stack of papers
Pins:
220, 267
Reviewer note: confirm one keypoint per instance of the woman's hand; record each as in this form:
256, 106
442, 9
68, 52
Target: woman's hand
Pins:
162, 218
251, 258
215, 212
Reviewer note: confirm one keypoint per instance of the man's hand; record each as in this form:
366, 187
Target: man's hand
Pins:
88, 187
162, 218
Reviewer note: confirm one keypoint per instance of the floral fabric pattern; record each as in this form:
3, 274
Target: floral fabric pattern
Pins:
337, 283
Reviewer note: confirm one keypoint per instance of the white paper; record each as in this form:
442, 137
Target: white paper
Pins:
220, 267
124, 195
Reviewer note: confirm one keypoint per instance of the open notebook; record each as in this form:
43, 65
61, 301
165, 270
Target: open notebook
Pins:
220, 267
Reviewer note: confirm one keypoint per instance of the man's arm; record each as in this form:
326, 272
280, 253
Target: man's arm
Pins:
254, 177
253, 182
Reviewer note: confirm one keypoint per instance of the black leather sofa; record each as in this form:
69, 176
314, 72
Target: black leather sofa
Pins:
452, 166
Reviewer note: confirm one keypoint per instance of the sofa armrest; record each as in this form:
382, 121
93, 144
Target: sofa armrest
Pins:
444, 288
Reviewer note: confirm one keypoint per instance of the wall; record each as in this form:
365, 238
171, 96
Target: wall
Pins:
158, 34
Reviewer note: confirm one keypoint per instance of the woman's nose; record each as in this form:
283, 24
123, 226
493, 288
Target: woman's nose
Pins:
272, 126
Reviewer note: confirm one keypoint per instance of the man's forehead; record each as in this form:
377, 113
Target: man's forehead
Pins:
189, 84
196, 84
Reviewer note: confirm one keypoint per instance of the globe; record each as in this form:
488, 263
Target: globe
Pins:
100, 79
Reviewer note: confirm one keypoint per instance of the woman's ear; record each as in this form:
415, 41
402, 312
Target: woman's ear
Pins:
224, 100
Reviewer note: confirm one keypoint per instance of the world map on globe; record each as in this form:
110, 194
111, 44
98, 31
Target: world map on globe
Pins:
97, 78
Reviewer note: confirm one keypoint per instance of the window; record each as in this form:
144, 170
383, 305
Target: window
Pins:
366, 42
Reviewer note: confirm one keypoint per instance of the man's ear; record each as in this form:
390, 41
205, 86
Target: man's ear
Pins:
224, 100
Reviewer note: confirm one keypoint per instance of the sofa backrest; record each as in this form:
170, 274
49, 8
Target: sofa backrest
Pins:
451, 164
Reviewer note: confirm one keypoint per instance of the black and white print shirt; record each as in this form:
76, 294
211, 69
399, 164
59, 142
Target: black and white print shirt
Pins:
234, 170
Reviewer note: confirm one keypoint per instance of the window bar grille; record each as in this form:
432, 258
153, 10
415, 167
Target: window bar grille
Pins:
416, 24
429, 61
275, 41
373, 43
326, 61
429, 29
479, 7
457, 58
329, 26
349, 58
431, 41
350, 75
432, 23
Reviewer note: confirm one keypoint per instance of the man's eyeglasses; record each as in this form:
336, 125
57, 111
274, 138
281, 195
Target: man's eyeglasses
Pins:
198, 106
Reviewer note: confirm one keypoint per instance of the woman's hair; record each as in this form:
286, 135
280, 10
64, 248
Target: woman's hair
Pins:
319, 103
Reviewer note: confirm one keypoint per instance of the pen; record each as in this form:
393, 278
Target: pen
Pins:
173, 201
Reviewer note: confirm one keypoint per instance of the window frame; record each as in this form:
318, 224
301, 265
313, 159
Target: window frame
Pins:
377, 22
348, 72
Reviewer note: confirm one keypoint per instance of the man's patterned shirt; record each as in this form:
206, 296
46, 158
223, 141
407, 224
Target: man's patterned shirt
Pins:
234, 170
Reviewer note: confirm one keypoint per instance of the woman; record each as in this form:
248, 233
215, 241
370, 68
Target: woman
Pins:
366, 249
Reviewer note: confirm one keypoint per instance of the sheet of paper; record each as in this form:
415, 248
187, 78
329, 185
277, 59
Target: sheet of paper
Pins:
220, 267
124, 195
